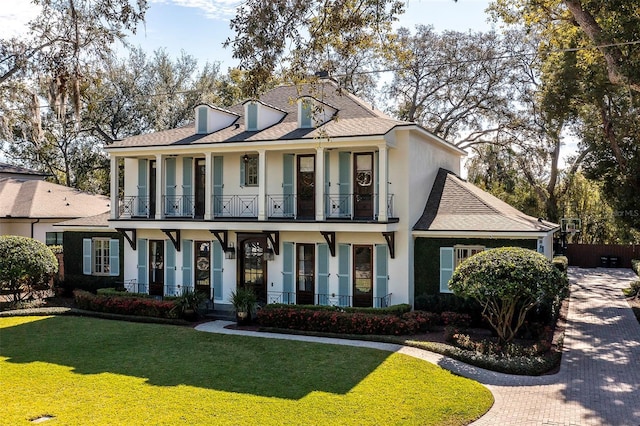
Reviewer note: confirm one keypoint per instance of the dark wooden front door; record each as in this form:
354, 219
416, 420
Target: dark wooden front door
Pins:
253, 265
156, 267
152, 188
306, 183
202, 267
363, 186
200, 179
306, 274
362, 276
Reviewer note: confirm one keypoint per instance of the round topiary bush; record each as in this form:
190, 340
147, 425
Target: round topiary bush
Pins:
507, 282
24, 264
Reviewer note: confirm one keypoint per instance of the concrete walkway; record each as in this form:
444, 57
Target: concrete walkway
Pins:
599, 378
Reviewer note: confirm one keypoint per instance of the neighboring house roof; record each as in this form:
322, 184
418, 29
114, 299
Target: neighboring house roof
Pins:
354, 118
98, 221
22, 198
456, 205
9, 170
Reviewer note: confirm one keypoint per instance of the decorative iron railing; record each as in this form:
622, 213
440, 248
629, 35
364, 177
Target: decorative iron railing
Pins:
176, 290
134, 206
235, 206
281, 206
333, 299
288, 298
344, 206
179, 205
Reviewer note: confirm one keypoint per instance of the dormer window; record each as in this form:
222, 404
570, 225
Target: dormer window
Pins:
210, 119
306, 114
252, 116
313, 113
203, 112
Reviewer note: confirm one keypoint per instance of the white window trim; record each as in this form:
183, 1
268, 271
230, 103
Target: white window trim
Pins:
106, 259
458, 257
251, 157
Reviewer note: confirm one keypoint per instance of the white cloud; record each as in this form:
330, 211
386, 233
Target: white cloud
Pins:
14, 18
213, 9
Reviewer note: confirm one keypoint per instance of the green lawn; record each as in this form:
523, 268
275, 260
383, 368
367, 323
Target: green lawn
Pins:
92, 371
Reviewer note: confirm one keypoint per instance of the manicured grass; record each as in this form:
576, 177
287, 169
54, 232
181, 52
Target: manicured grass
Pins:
94, 371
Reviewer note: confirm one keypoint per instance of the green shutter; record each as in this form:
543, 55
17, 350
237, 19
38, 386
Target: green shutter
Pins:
288, 161
143, 276
171, 206
382, 272
202, 119
376, 196
141, 208
344, 181
323, 274
344, 273
86, 256
243, 172
446, 268
218, 257
170, 267
188, 201
217, 185
187, 261
327, 182
288, 265
252, 116
114, 258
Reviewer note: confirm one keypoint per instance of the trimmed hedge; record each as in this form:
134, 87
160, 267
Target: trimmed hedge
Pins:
333, 321
120, 293
397, 310
125, 305
635, 265
561, 262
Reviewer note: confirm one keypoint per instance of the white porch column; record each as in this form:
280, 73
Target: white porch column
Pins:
113, 185
208, 185
319, 189
383, 214
262, 184
159, 186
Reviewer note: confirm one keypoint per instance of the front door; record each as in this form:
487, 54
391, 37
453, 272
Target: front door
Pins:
362, 276
253, 265
156, 267
306, 181
363, 186
200, 179
202, 267
305, 288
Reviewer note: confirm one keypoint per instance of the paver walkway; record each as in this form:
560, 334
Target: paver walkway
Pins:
599, 378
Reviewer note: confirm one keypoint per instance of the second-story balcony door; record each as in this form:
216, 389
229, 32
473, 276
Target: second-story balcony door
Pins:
363, 185
306, 182
200, 179
152, 188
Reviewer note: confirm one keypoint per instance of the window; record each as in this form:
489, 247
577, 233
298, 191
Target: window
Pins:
100, 256
464, 252
306, 114
252, 116
54, 238
202, 119
249, 170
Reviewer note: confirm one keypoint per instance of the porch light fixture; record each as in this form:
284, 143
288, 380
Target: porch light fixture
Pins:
245, 158
230, 252
269, 254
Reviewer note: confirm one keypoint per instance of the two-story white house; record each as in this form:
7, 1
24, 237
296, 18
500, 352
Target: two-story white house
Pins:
309, 196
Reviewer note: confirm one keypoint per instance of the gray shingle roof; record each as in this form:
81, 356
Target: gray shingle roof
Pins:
456, 205
98, 221
354, 118
40, 199
17, 170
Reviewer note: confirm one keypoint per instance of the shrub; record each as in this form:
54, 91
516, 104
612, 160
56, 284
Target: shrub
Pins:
561, 262
397, 310
635, 265
334, 321
124, 305
508, 282
123, 293
455, 319
26, 265
444, 302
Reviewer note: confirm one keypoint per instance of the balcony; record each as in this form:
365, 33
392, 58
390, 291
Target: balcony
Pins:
235, 206
135, 207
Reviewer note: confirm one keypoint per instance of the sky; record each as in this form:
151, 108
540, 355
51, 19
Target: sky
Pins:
200, 27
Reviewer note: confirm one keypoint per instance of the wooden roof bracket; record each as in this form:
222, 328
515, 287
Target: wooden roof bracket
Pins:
174, 236
390, 238
130, 239
274, 239
222, 237
330, 238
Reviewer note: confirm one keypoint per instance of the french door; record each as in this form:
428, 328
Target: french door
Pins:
305, 273
253, 265
306, 182
363, 185
202, 267
156, 267
362, 275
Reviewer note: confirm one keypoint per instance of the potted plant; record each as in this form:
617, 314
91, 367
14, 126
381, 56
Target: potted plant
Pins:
244, 301
187, 304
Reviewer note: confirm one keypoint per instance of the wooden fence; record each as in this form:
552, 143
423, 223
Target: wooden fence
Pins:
599, 255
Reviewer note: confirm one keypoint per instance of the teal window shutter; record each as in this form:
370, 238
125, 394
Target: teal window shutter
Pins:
217, 185
344, 273
188, 201
243, 172
287, 184
327, 182
202, 119
114, 258
87, 258
305, 114
323, 274
218, 257
170, 176
288, 264
446, 268
187, 261
344, 179
376, 197
170, 269
143, 276
252, 116
141, 208
382, 272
